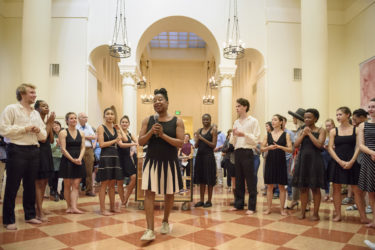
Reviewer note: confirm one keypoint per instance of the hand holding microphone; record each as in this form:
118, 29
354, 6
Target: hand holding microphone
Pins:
156, 127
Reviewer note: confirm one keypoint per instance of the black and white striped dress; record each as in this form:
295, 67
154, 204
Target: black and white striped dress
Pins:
367, 174
161, 172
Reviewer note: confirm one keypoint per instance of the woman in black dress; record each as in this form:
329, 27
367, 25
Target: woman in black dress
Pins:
163, 133
205, 164
276, 143
366, 140
309, 170
109, 170
46, 161
344, 168
129, 169
72, 167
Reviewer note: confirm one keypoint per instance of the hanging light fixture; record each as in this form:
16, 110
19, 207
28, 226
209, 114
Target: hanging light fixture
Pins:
119, 46
141, 83
147, 98
233, 47
208, 98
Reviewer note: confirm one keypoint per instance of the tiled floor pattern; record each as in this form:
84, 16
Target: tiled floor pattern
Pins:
197, 228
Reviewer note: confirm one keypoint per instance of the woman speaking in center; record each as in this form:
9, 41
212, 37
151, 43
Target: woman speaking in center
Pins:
164, 134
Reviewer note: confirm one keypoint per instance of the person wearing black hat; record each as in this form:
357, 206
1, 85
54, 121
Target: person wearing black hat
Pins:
298, 120
298, 117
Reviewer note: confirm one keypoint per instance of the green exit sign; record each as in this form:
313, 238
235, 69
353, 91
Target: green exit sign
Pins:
178, 112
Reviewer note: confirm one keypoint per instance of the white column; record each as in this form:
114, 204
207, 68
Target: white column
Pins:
35, 58
129, 95
225, 98
314, 34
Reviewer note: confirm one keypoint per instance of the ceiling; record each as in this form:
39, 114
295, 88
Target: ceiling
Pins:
332, 5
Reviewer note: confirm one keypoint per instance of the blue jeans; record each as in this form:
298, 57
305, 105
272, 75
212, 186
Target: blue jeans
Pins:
256, 168
290, 176
326, 159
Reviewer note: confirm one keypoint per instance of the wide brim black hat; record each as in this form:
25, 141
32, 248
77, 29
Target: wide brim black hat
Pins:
298, 114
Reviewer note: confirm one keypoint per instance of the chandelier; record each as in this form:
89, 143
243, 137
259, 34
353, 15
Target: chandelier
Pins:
119, 46
147, 97
141, 83
208, 98
233, 47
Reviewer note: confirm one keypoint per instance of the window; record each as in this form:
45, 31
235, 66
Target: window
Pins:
177, 40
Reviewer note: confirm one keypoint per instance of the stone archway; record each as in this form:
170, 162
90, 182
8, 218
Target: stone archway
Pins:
212, 53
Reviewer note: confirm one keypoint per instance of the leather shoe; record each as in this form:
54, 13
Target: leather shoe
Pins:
207, 204
90, 194
199, 204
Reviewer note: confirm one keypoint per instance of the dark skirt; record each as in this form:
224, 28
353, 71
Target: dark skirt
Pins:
109, 165
69, 170
46, 162
309, 171
338, 175
205, 169
127, 165
276, 171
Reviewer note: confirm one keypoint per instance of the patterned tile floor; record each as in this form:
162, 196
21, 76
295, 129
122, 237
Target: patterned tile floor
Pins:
198, 228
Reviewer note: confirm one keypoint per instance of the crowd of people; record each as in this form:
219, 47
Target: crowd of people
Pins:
297, 164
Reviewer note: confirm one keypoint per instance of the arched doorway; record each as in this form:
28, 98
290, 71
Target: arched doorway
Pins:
182, 71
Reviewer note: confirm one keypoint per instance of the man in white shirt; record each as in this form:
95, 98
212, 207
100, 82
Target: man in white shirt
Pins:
23, 128
245, 138
88, 157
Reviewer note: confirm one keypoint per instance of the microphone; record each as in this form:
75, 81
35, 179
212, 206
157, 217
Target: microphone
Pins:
156, 119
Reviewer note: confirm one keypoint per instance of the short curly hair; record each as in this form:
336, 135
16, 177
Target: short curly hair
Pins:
315, 113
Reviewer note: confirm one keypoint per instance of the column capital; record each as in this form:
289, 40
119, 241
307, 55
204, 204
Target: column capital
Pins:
228, 69
227, 73
128, 72
125, 67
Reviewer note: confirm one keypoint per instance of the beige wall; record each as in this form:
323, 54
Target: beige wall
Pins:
67, 92
359, 46
246, 78
10, 71
185, 83
348, 45
283, 54
336, 62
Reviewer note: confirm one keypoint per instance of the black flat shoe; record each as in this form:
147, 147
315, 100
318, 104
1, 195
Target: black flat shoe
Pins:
56, 197
207, 204
199, 204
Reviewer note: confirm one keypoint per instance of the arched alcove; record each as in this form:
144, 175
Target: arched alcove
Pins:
245, 84
105, 84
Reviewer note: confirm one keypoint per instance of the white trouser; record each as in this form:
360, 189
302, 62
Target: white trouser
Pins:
219, 170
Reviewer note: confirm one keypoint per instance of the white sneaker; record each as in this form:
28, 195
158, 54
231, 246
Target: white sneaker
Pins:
370, 244
164, 228
368, 210
148, 235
